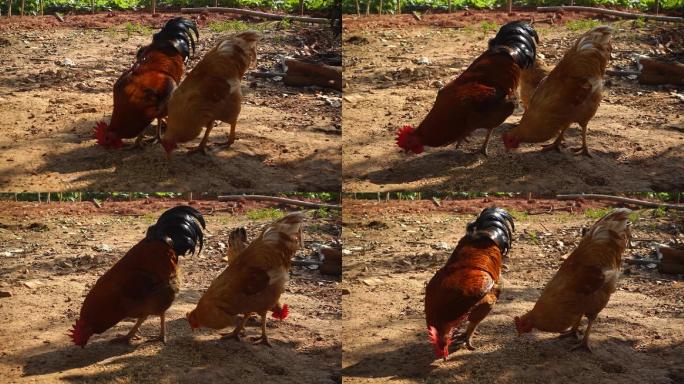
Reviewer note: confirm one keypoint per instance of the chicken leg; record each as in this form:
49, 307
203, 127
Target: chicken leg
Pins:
132, 335
584, 344
477, 314
236, 332
262, 339
231, 136
483, 149
202, 147
583, 150
162, 331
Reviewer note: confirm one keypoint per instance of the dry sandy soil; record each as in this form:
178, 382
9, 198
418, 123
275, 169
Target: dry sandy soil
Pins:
636, 136
51, 254
396, 247
289, 138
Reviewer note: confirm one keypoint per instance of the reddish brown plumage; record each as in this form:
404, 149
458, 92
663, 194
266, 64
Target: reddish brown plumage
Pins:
468, 285
143, 282
481, 97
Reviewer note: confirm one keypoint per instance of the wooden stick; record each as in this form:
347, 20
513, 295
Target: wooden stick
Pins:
22, 8
510, 6
9, 8
264, 15
278, 200
154, 6
92, 6
368, 7
358, 9
619, 199
625, 15
41, 7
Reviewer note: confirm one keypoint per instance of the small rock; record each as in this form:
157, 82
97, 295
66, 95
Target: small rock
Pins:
67, 62
651, 266
438, 84
5, 294
345, 291
443, 246
423, 61
103, 248
221, 245
32, 283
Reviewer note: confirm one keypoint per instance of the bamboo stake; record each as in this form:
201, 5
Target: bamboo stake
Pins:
22, 8
398, 7
510, 6
619, 199
92, 6
154, 6
368, 7
215, 3
358, 9
625, 15
264, 15
380, 9
9, 8
451, 8
41, 8
301, 7
278, 200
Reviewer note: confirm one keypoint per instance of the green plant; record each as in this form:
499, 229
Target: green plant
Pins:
597, 213
582, 24
266, 213
488, 26
639, 22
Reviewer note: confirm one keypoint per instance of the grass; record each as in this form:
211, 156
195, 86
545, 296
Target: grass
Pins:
582, 24
597, 213
266, 213
241, 26
136, 29
488, 26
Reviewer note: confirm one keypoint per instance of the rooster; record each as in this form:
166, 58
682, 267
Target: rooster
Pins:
481, 97
210, 92
470, 282
254, 282
142, 92
584, 283
571, 93
145, 281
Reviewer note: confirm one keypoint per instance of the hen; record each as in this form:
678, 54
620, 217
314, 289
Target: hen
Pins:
481, 97
470, 282
210, 92
584, 283
254, 282
145, 281
570, 93
141, 93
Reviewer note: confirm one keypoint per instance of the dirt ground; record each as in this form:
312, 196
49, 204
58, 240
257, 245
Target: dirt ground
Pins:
288, 138
636, 137
394, 248
52, 253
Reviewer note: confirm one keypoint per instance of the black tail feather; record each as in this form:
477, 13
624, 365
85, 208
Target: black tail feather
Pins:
183, 225
494, 223
519, 39
176, 33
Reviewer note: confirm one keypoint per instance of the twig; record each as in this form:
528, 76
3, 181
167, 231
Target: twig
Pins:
305, 263
613, 72
625, 15
639, 261
619, 199
278, 200
264, 15
267, 75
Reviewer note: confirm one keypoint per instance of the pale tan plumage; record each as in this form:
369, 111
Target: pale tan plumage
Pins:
571, 93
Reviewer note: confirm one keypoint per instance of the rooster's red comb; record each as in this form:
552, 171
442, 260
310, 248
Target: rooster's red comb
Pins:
281, 313
100, 133
78, 335
406, 141
442, 352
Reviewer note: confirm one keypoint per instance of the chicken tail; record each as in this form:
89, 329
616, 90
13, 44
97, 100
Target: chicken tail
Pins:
493, 223
611, 227
181, 227
176, 33
519, 40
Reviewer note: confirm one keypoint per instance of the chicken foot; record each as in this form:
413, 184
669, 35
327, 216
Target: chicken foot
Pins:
132, 335
237, 331
584, 344
263, 339
483, 149
583, 150
556, 143
202, 147
574, 332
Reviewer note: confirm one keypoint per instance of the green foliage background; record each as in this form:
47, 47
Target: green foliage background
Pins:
389, 6
33, 6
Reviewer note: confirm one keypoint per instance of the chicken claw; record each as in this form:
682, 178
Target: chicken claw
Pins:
573, 333
582, 151
464, 341
232, 335
199, 149
261, 340
126, 339
582, 347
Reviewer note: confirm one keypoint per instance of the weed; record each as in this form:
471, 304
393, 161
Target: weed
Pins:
266, 213
640, 22
323, 213
597, 213
487, 26
582, 24
137, 28
240, 26
534, 237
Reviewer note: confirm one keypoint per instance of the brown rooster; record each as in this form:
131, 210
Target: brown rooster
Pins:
141, 93
530, 79
481, 97
584, 283
571, 93
470, 282
145, 281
